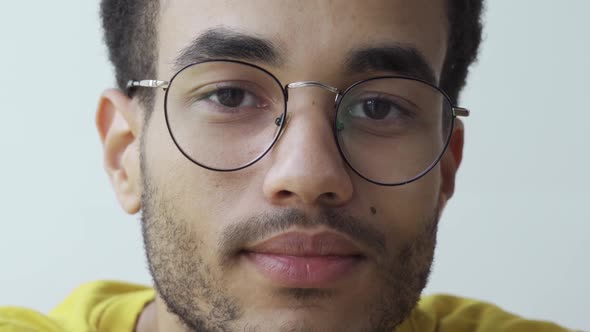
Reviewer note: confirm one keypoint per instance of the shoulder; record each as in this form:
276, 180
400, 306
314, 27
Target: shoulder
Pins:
95, 306
446, 313
14, 319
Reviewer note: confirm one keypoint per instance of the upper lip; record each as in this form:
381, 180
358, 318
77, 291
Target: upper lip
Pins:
303, 244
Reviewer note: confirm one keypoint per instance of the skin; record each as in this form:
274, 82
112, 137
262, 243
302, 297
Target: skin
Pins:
185, 208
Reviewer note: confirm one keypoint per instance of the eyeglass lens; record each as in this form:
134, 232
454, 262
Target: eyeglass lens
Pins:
226, 115
391, 130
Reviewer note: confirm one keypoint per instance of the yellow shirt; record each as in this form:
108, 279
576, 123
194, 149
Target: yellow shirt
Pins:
107, 306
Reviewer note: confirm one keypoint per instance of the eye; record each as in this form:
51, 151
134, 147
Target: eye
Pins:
378, 109
233, 98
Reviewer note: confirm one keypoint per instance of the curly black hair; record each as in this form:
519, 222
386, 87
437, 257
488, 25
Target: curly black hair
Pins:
131, 37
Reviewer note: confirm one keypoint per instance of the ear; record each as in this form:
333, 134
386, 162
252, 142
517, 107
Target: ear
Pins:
118, 123
450, 163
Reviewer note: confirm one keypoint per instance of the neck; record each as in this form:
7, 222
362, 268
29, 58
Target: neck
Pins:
147, 321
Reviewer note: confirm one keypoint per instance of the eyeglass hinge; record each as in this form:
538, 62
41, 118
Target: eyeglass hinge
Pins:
147, 84
459, 111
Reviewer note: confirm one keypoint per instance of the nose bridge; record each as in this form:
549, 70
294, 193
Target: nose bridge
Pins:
313, 129
303, 84
307, 166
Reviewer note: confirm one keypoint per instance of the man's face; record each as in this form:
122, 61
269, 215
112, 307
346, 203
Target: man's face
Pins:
246, 250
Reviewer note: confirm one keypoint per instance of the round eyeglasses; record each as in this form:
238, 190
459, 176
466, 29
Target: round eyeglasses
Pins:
225, 115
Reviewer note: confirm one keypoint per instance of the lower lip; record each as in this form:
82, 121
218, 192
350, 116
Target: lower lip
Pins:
303, 271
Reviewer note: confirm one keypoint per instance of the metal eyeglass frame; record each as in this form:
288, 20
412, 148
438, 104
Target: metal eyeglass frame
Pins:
456, 112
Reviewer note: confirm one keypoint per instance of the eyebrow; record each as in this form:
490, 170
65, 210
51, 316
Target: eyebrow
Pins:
224, 43
400, 58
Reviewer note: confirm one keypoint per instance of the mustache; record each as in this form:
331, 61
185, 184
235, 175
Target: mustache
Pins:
256, 228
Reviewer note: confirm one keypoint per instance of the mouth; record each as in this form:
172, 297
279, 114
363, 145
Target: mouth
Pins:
301, 260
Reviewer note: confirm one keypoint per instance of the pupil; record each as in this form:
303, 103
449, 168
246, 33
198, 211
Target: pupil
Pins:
376, 109
230, 97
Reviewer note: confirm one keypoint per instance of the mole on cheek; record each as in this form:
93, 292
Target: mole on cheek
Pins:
373, 211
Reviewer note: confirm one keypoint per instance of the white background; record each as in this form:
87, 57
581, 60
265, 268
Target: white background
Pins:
515, 234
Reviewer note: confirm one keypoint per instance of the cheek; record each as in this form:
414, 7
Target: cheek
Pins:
180, 184
402, 211
206, 200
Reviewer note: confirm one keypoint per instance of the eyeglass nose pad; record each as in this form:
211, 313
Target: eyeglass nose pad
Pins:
281, 121
339, 126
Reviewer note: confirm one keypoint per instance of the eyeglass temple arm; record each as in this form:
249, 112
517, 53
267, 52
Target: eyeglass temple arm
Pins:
147, 84
457, 111
460, 111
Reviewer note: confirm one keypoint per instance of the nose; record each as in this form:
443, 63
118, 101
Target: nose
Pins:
307, 167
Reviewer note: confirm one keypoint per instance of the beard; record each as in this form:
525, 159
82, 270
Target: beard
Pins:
193, 289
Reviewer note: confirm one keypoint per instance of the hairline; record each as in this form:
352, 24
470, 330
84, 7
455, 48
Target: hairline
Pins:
148, 99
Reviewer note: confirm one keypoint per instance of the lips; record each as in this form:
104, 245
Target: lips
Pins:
302, 260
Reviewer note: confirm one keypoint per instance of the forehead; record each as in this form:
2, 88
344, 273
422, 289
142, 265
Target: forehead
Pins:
311, 34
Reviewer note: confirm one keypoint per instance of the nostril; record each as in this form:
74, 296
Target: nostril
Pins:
284, 194
330, 196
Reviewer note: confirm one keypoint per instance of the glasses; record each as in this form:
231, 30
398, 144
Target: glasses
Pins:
226, 115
